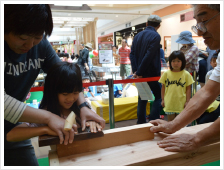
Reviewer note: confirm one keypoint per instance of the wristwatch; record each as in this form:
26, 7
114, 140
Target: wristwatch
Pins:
84, 104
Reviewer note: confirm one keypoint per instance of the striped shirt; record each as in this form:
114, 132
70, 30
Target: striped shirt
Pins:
13, 109
125, 53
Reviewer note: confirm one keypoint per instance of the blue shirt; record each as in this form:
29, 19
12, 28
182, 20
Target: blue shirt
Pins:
145, 53
116, 88
21, 71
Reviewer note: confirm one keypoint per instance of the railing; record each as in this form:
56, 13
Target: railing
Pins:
110, 83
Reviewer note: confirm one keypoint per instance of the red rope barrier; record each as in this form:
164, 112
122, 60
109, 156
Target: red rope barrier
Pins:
98, 83
33, 89
122, 81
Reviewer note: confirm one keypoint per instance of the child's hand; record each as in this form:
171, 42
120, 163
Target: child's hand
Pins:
50, 132
93, 125
162, 103
185, 104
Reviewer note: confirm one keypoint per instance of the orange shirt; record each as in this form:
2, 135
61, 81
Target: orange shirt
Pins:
124, 53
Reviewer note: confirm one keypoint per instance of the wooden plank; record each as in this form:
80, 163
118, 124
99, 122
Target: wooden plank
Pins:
146, 152
112, 137
53, 158
46, 140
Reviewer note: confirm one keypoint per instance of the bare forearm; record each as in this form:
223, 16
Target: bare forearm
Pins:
81, 99
188, 93
33, 115
163, 91
197, 105
23, 133
209, 134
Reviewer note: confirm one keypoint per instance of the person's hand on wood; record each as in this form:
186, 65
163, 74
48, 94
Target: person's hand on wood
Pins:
179, 143
94, 126
162, 126
87, 114
56, 123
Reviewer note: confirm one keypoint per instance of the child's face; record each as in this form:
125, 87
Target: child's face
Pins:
176, 64
213, 63
66, 100
85, 81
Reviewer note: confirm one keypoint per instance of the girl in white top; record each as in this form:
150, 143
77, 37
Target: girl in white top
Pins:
176, 85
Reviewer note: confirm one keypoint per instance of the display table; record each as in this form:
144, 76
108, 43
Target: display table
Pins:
124, 108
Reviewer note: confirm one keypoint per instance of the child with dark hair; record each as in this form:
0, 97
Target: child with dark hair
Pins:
176, 86
213, 64
85, 90
26, 52
61, 91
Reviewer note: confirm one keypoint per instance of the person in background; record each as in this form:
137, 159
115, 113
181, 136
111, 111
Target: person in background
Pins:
90, 62
162, 57
118, 90
58, 53
85, 90
176, 86
145, 62
208, 26
190, 51
115, 55
210, 54
83, 58
26, 47
125, 63
213, 63
202, 59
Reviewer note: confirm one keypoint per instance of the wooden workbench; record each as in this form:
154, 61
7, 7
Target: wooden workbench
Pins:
133, 146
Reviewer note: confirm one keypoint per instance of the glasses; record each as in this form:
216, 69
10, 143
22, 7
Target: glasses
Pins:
201, 26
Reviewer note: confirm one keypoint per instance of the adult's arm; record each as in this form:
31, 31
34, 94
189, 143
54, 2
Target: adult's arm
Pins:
87, 114
23, 132
16, 111
194, 109
188, 142
149, 56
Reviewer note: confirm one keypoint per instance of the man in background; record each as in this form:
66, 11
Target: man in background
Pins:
145, 62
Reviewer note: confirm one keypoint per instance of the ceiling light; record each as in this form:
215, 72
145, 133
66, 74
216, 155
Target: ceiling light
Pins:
116, 15
133, 28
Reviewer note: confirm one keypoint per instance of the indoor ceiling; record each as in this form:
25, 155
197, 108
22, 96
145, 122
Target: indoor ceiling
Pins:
109, 15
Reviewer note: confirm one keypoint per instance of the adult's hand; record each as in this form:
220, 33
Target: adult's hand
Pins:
179, 143
162, 126
87, 114
57, 123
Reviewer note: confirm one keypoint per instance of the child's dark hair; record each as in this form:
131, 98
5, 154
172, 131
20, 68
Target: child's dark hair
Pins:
85, 78
28, 19
63, 77
180, 56
215, 56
